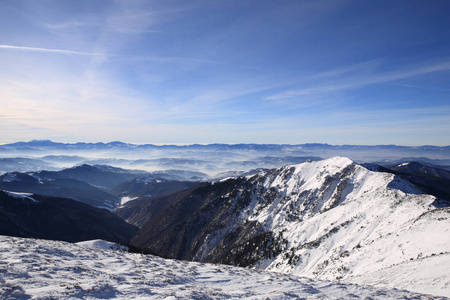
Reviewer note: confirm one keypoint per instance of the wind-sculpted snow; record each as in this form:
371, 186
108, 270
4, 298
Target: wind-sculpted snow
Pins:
331, 219
38, 269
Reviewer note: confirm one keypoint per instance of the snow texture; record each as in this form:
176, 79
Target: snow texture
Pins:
102, 244
41, 269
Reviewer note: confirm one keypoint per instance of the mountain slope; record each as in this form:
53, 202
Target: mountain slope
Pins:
97, 175
331, 219
139, 211
85, 183
39, 269
58, 186
414, 167
149, 186
36, 216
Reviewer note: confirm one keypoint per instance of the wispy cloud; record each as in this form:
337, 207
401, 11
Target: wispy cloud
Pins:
60, 51
160, 59
364, 67
180, 60
358, 79
71, 24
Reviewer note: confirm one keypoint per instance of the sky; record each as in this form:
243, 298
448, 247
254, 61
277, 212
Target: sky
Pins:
183, 72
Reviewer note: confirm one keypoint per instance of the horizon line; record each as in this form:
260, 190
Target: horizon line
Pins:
218, 143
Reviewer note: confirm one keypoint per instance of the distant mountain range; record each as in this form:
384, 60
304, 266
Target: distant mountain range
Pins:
48, 144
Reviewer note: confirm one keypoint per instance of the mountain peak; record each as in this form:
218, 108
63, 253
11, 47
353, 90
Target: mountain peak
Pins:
41, 142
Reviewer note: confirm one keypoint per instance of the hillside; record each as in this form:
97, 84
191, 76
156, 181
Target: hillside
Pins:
58, 187
431, 179
37, 216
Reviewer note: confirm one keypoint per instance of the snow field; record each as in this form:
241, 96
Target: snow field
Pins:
39, 269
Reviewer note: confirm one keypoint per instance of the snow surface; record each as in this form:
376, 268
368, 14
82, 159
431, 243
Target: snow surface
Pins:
21, 196
102, 244
40, 269
403, 164
126, 199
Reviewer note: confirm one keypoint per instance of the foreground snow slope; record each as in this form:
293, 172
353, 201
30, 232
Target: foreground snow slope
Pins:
40, 269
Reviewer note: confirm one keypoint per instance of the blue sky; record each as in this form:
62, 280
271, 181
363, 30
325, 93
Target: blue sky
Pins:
180, 72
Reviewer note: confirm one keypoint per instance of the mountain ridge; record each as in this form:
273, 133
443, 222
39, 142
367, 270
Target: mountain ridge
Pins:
332, 219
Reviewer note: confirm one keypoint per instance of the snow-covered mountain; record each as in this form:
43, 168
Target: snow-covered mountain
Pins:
38, 269
331, 219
